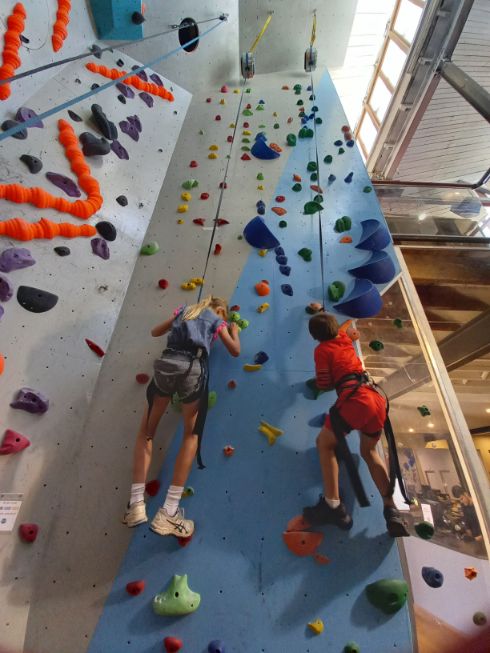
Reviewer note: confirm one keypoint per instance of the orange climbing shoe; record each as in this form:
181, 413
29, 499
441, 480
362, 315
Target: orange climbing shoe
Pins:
163, 524
322, 513
394, 522
135, 514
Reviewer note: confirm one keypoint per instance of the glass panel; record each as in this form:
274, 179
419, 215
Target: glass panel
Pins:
407, 20
368, 132
393, 62
380, 99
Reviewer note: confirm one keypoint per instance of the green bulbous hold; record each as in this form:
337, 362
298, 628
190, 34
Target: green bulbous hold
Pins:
398, 322
301, 114
312, 207
212, 399
311, 98
259, 107
247, 112
352, 647
388, 595
312, 166
276, 125
376, 345
150, 248
297, 187
318, 198
336, 291
343, 224
367, 189
314, 176
260, 176
243, 324
245, 140
305, 254
291, 140
190, 183
234, 317
297, 87
318, 121
247, 90
245, 148
178, 599
328, 159
341, 150
305, 132
424, 529
261, 126
283, 224
299, 103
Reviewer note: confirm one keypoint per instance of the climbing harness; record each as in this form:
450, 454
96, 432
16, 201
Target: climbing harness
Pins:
247, 60
311, 53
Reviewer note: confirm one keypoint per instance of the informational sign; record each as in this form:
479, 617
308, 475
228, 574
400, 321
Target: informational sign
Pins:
9, 509
427, 513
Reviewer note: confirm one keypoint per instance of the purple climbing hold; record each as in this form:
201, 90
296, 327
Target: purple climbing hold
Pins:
129, 129
6, 289
141, 74
147, 99
156, 79
216, 646
65, 183
74, 116
134, 120
15, 258
32, 162
8, 124
36, 300
94, 146
279, 251
260, 358
126, 90
2, 311
287, 289
31, 401
119, 150
100, 248
260, 207
24, 113
285, 270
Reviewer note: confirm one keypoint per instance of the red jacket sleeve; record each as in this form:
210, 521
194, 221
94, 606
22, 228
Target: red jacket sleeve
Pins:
322, 368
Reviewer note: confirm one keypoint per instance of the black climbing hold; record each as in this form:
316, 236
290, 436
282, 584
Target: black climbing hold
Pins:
107, 230
287, 289
93, 146
78, 80
36, 300
96, 51
121, 98
122, 200
74, 116
61, 250
8, 124
94, 86
137, 18
23, 38
105, 126
120, 63
32, 162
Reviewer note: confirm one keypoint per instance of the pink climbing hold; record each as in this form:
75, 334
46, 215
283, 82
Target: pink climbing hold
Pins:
163, 284
217, 249
142, 378
229, 139
152, 487
224, 88
290, 120
204, 196
246, 125
245, 157
218, 117
193, 164
232, 384
28, 532
135, 587
249, 106
172, 644
199, 221
13, 442
208, 100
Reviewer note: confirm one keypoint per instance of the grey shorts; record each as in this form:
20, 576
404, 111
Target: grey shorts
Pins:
181, 373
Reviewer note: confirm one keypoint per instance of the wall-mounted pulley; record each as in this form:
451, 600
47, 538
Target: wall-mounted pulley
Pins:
311, 55
247, 60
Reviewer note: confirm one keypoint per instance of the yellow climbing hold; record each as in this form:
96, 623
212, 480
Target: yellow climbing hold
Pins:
182, 208
213, 147
236, 90
222, 101
231, 125
262, 252
212, 155
316, 626
275, 114
263, 307
252, 368
270, 432
199, 281
260, 187
188, 285
180, 221
246, 132
186, 197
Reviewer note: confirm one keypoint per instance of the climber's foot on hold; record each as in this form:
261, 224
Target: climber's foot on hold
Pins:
164, 524
135, 514
322, 513
394, 522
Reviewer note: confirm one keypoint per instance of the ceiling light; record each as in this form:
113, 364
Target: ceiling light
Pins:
422, 216
487, 410
430, 425
412, 430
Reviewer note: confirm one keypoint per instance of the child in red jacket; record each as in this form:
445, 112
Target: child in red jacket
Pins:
364, 409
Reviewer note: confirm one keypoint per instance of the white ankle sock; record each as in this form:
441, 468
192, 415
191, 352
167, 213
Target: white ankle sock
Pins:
333, 503
137, 493
172, 499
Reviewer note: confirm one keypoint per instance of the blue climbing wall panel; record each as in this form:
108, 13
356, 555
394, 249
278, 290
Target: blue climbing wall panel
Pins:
113, 19
255, 595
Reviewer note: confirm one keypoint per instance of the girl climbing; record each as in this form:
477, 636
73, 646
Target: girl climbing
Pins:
182, 369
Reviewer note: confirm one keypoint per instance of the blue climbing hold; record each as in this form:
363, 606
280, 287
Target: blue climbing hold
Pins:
261, 150
260, 358
331, 179
285, 270
216, 646
433, 577
281, 259
348, 179
338, 143
364, 300
261, 101
260, 207
287, 289
379, 268
261, 135
350, 143
374, 235
259, 235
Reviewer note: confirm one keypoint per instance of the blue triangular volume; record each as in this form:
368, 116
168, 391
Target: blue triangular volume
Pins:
259, 235
261, 150
364, 300
379, 268
375, 235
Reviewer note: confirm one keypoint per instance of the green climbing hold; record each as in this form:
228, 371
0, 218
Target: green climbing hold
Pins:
260, 176
247, 112
227, 156
261, 126
318, 198
479, 619
423, 410
328, 159
398, 322
234, 317
311, 166
245, 148
341, 150
424, 529
311, 385
188, 492
312, 207
190, 183
212, 399
247, 90
291, 140
367, 189
301, 114
376, 345
283, 224
336, 291
352, 647
314, 176
311, 98
245, 140
150, 248
243, 324
299, 103
314, 109
343, 224
177, 600
259, 107
304, 132
388, 595
240, 237
297, 87
297, 187
305, 254
201, 132
318, 121
276, 125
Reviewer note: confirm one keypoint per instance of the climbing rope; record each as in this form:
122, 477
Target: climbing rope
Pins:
69, 103
313, 30
260, 34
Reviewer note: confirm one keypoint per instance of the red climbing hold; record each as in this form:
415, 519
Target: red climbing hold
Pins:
142, 378
135, 587
172, 644
232, 384
316, 189
280, 198
290, 120
302, 543
208, 100
224, 88
346, 128
28, 532
204, 196
221, 222
278, 210
296, 178
152, 487
245, 157
229, 139
13, 442
223, 184
193, 164
199, 221
218, 117
95, 348
228, 450
320, 559
246, 125
235, 308
249, 106
217, 249
163, 283
184, 541
348, 136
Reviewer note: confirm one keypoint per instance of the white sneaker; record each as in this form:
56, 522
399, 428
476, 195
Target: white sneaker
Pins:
135, 514
163, 524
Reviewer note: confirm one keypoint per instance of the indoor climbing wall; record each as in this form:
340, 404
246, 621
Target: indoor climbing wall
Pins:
256, 595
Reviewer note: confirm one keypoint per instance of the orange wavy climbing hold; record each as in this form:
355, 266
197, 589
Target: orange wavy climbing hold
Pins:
275, 147
43, 200
20, 229
59, 28
302, 543
112, 73
297, 523
345, 239
2, 364
10, 54
278, 210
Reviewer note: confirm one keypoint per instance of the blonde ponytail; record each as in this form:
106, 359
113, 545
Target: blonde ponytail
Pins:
194, 310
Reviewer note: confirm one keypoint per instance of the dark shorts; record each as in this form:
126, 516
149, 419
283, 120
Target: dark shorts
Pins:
181, 373
364, 411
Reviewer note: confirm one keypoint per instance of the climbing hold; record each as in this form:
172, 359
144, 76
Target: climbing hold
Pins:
65, 183
469, 572
246, 157
142, 378
316, 626
199, 221
479, 619
352, 647
36, 300
376, 345
8, 124
304, 132
213, 148
398, 323
348, 179
190, 183
343, 224
13, 442
346, 239
270, 432
262, 288
318, 120
163, 284
212, 155
287, 289
312, 207
180, 221
350, 143
260, 207
100, 248
297, 187
122, 200
222, 101
263, 307
182, 208
311, 167
172, 644
424, 529
388, 595
62, 251
260, 358
363, 300
228, 450
193, 164
74, 116
305, 254
374, 236
313, 176
187, 197
331, 179
248, 367
280, 258
119, 150
95, 348
328, 159
188, 492
216, 646
107, 230
258, 235
283, 224
318, 198
278, 210
285, 269
32, 162
423, 410
260, 187
338, 143
261, 150
296, 177
28, 532
217, 249
135, 587
105, 126
433, 577
280, 198
316, 189
367, 189
204, 196
177, 600
125, 90
379, 268
31, 401
15, 258
319, 558
336, 291
6, 289
217, 118
302, 543
297, 523
341, 150
291, 140
247, 112
263, 252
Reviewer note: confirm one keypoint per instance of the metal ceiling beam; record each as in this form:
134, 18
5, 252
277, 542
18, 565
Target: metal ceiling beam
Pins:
466, 86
